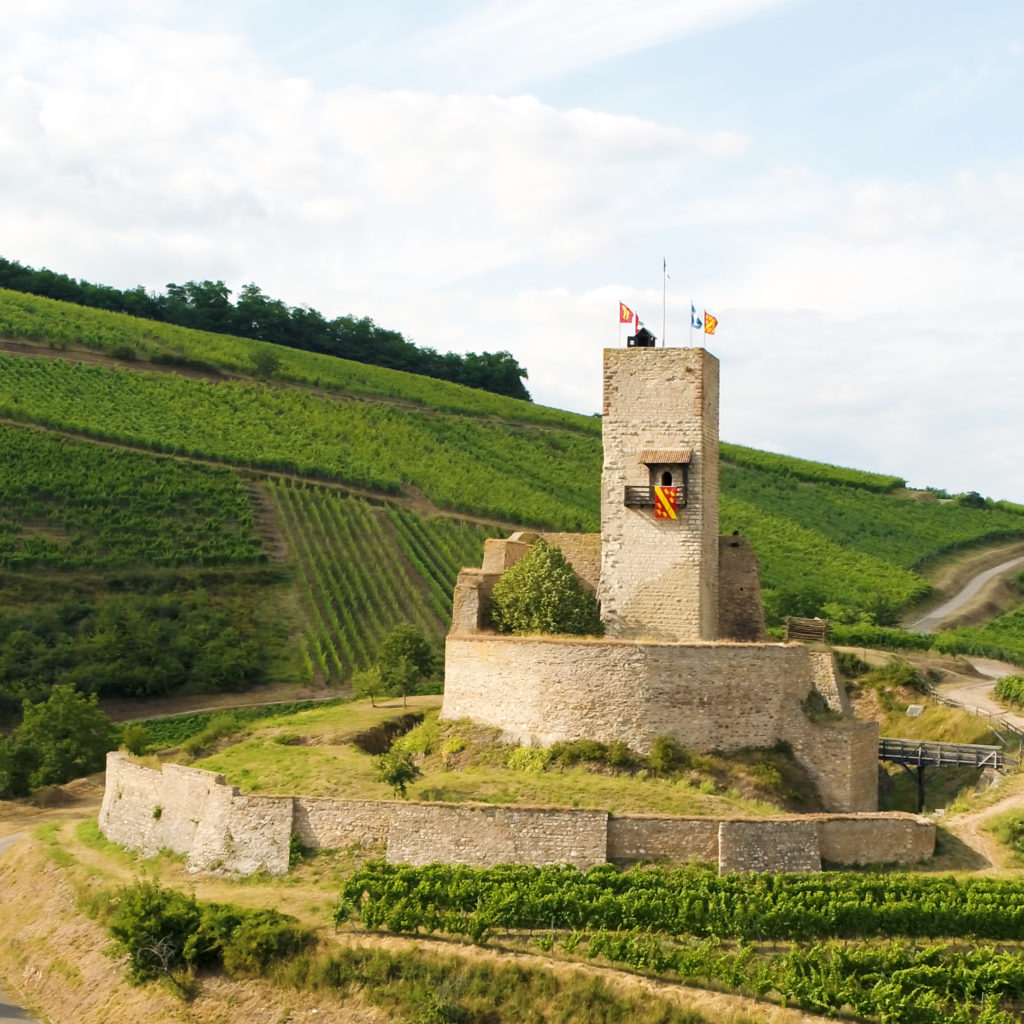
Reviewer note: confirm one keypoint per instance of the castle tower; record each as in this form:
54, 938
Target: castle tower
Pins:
659, 494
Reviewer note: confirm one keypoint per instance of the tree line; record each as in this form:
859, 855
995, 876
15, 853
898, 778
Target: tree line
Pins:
207, 306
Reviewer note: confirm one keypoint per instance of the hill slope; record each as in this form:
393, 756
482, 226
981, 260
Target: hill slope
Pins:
310, 512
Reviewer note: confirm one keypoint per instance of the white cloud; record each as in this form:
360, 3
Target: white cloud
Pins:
872, 319
508, 42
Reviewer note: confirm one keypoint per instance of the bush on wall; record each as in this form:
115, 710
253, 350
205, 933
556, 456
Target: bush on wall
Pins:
542, 594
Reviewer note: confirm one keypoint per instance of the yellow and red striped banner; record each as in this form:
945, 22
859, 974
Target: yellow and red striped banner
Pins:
665, 502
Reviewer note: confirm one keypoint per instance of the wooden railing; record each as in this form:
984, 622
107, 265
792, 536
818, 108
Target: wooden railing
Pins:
943, 755
995, 719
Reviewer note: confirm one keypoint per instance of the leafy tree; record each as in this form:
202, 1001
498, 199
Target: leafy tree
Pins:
135, 739
405, 658
542, 594
397, 769
368, 683
62, 738
971, 499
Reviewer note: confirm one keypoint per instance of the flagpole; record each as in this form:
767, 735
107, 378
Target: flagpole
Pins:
664, 278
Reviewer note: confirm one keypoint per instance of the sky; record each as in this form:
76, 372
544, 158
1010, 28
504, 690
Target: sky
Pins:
841, 184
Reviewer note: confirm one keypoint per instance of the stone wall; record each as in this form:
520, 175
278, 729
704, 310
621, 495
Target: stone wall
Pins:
216, 828
873, 839
790, 845
325, 824
740, 609
485, 835
649, 837
659, 577
193, 812
708, 697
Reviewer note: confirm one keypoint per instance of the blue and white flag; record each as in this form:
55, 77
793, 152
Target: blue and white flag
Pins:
695, 321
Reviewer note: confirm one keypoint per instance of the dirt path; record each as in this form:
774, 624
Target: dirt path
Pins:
970, 829
939, 617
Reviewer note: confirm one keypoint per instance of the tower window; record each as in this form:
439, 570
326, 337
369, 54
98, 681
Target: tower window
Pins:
666, 479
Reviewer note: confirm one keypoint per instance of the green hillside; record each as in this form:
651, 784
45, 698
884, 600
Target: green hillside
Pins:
176, 508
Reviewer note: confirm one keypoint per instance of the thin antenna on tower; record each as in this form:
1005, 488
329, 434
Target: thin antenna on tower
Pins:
664, 278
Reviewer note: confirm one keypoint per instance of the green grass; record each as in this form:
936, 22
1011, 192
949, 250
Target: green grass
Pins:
320, 760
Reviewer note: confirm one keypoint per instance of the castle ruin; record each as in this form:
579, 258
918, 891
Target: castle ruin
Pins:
685, 652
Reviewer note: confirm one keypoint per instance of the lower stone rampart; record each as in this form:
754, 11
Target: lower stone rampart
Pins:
324, 824
790, 845
647, 837
486, 835
195, 813
850, 839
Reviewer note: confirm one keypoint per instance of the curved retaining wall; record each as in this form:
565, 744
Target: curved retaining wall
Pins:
715, 696
193, 812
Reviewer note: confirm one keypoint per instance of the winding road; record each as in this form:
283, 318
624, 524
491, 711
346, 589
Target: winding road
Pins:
934, 619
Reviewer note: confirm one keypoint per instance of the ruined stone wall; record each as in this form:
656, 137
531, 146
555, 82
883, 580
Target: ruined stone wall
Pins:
224, 830
243, 834
192, 812
484, 835
893, 838
325, 824
787, 845
650, 837
842, 758
659, 577
740, 609
828, 681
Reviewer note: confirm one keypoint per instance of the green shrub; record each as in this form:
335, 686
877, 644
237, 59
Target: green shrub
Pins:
850, 666
1010, 689
619, 755
666, 756
767, 774
152, 925
135, 739
528, 759
261, 938
542, 594
1008, 828
216, 729
896, 673
574, 751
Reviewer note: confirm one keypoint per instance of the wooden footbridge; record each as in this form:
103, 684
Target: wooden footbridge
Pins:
918, 755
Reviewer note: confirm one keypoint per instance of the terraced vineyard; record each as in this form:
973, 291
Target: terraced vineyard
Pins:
61, 325
523, 473
830, 540
66, 504
362, 571
852, 941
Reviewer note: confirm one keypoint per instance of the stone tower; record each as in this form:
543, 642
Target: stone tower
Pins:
659, 574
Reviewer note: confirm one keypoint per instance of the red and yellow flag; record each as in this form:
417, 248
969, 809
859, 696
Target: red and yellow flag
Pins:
625, 314
710, 323
666, 500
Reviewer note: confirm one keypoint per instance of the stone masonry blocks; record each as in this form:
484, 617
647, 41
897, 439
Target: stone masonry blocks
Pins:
231, 832
659, 577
